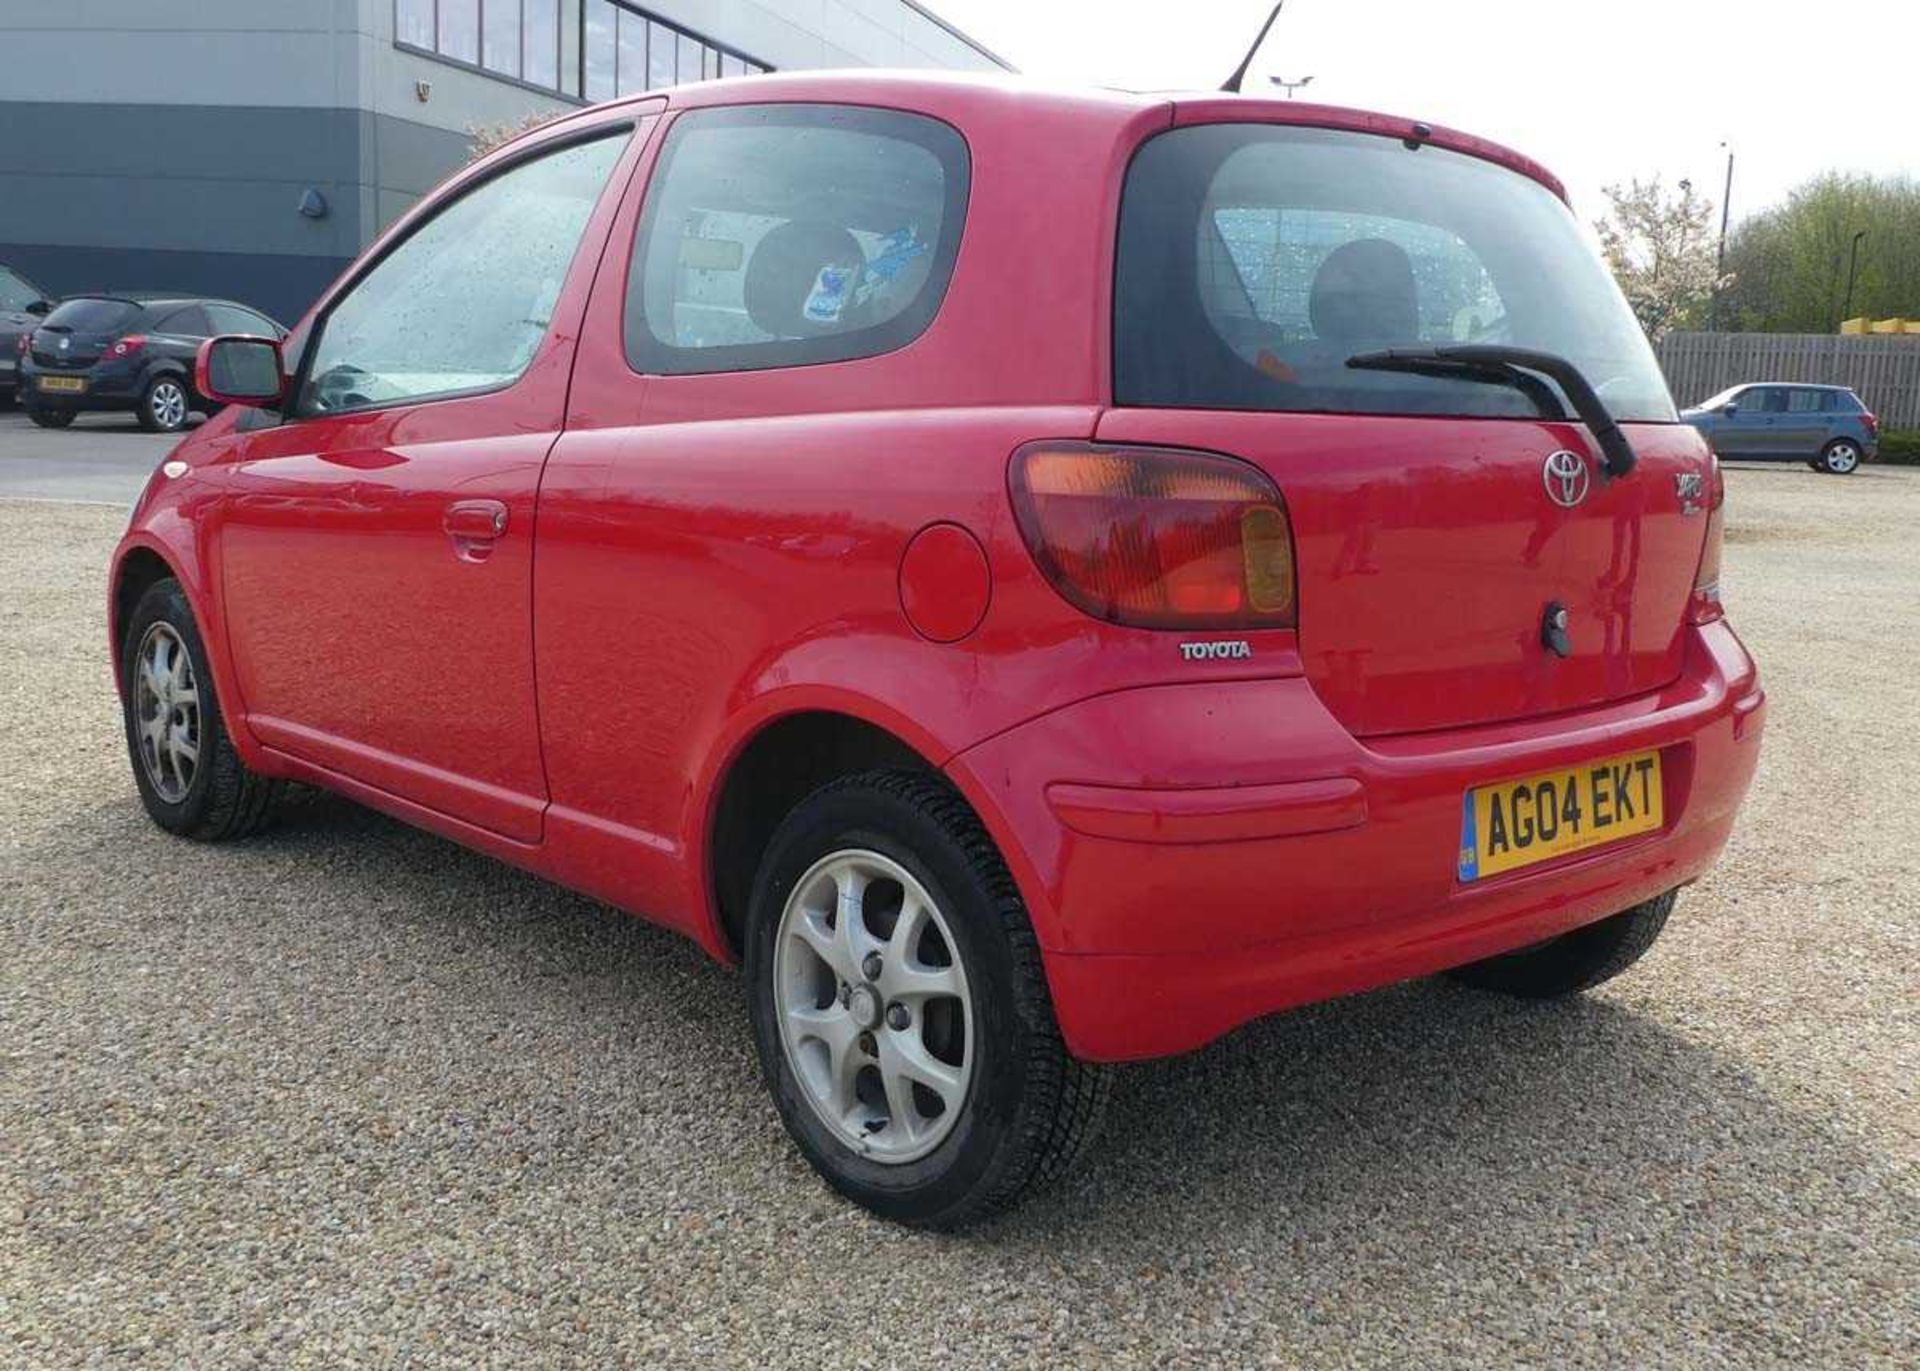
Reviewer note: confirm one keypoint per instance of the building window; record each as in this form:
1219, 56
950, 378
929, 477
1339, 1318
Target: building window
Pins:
623, 49
500, 37
457, 34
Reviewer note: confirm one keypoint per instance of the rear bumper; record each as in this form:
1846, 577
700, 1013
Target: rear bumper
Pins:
1197, 856
108, 390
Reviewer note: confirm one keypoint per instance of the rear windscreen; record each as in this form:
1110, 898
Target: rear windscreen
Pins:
1255, 259
93, 315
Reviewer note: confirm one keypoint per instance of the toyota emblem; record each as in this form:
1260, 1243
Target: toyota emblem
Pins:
1566, 478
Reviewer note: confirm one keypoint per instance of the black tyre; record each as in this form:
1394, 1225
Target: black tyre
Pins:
1841, 457
50, 418
191, 780
8, 399
1574, 961
900, 1009
164, 404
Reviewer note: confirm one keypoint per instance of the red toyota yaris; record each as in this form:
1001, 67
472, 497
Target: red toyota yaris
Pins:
1040, 578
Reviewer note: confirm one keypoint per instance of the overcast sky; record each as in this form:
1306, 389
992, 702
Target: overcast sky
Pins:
1599, 90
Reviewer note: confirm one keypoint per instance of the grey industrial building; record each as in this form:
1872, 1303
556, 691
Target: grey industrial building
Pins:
250, 148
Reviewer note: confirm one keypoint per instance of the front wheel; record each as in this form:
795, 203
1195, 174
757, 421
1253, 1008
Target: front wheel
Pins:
191, 780
164, 405
50, 418
900, 1009
1841, 457
1574, 961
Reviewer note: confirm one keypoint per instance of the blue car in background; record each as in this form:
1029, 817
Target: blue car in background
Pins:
1827, 427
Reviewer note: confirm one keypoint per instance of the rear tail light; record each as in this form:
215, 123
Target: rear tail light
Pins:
1704, 607
1157, 538
25, 345
1873, 424
128, 345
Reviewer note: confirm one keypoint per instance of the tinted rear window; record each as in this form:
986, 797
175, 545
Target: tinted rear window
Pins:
1255, 259
93, 315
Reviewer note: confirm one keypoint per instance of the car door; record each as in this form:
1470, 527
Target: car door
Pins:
1744, 432
1803, 424
377, 545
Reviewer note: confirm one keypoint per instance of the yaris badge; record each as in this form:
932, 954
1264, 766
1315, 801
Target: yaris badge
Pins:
1566, 478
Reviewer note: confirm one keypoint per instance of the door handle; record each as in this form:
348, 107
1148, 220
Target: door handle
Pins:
474, 526
475, 521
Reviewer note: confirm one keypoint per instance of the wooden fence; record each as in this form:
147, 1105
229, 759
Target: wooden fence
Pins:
1883, 369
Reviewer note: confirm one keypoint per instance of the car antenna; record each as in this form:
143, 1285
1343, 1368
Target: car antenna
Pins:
1240, 72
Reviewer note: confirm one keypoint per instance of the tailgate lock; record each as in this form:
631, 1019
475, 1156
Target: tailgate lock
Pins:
1553, 629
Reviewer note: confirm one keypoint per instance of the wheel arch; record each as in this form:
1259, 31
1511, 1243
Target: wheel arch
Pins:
769, 766
144, 559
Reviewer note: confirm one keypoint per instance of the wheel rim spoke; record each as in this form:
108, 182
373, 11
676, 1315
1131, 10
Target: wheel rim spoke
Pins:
906, 977
905, 1056
821, 940
850, 889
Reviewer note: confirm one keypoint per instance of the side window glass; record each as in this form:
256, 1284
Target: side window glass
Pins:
14, 292
1800, 401
463, 303
1766, 400
783, 235
190, 322
233, 319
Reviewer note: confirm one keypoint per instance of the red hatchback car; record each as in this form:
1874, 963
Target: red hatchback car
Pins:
1041, 578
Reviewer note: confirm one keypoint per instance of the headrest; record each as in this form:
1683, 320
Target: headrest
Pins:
801, 279
1364, 293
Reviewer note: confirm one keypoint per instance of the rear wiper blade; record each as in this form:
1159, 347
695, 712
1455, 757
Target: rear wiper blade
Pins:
1544, 398
1494, 359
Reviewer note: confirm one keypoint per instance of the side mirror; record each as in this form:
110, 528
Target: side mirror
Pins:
40, 309
1729, 409
239, 370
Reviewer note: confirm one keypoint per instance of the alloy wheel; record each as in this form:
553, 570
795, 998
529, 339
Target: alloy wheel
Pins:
871, 994
167, 403
1842, 458
167, 712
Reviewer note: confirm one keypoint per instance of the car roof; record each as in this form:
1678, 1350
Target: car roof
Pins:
155, 298
1803, 385
985, 94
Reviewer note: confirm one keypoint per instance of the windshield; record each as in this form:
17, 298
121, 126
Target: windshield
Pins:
91, 314
1255, 259
16, 292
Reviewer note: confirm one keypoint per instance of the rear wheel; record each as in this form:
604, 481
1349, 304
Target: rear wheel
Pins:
1574, 961
900, 1009
191, 780
1841, 457
164, 405
50, 418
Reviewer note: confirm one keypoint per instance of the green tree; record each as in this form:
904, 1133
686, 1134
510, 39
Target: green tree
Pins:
1789, 264
1661, 249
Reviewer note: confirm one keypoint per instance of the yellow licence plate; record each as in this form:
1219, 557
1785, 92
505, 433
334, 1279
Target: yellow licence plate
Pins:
1517, 823
66, 385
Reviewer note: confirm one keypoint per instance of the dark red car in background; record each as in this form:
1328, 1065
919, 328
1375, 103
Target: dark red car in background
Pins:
1041, 578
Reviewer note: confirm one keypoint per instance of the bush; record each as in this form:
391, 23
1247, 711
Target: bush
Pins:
486, 138
1901, 446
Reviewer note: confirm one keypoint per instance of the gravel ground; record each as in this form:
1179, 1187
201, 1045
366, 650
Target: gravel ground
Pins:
346, 1094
